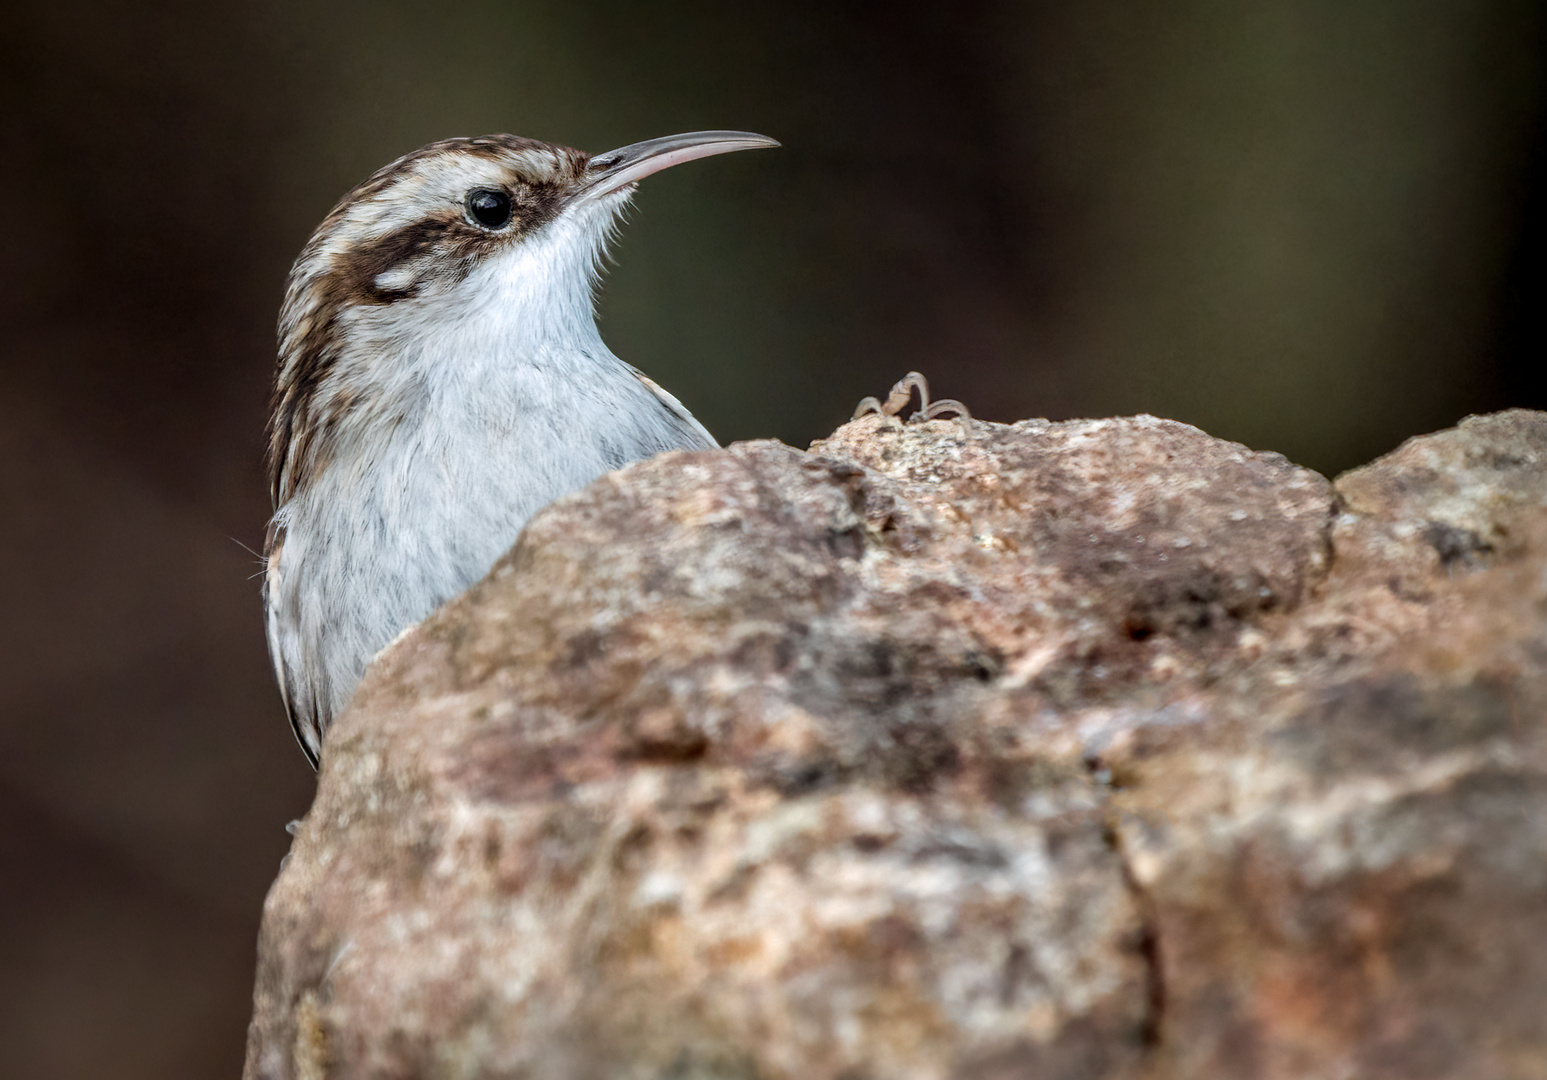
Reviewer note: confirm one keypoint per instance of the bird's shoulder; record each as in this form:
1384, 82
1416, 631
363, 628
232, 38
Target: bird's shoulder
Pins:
677, 410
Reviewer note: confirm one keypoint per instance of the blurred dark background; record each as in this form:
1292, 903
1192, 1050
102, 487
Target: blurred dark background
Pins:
1314, 226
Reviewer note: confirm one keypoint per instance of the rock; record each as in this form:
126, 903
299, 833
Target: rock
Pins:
1091, 749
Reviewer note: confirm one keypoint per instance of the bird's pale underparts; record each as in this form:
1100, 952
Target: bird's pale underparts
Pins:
441, 379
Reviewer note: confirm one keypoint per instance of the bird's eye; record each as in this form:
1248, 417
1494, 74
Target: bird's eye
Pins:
489, 208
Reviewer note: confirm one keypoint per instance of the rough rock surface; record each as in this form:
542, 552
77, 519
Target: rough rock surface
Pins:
1057, 750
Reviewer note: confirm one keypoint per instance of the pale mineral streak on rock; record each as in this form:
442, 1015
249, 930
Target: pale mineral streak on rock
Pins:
952, 749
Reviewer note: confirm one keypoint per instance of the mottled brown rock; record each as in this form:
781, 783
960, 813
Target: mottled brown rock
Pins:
1092, 749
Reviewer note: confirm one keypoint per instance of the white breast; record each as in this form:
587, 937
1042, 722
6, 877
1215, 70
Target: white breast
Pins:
500, 398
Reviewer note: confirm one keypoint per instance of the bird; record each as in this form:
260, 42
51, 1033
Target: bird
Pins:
440, 379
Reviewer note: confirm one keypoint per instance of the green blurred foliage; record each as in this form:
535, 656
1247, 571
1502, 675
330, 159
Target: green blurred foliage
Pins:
1286, 222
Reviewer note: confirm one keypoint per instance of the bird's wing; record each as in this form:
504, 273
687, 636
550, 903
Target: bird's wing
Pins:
676, 408
300, 707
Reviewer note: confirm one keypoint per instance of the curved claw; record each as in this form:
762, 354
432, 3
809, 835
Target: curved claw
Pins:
866, 407
897, 398
902, 393
943, 407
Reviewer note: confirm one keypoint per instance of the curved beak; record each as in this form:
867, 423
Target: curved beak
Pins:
619, 168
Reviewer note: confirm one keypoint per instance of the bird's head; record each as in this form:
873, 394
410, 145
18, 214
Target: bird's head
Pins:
498, 235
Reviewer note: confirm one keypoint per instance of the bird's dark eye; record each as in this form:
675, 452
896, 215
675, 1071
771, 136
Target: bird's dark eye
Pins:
489, 208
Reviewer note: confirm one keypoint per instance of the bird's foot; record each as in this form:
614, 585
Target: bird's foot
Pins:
902, 393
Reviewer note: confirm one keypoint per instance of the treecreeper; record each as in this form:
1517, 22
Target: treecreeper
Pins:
440, 379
